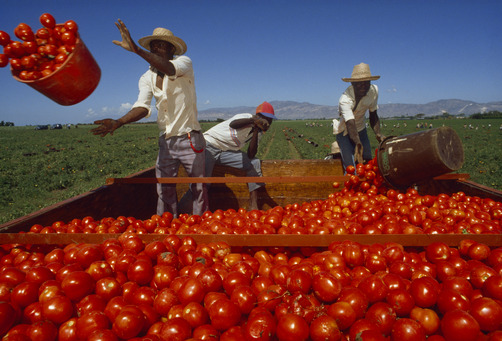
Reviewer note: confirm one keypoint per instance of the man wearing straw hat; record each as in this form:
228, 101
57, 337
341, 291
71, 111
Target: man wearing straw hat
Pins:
170, 80
350, 130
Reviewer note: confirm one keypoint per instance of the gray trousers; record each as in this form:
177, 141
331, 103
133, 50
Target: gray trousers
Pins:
174, 151
236, 159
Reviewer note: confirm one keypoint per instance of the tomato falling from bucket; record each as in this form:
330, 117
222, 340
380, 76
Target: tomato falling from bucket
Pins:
73, 82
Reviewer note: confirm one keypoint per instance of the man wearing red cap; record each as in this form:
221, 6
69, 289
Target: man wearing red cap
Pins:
225, 140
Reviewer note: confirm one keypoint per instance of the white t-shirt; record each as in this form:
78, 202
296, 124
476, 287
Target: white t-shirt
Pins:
346, 108
223, 137
176, 102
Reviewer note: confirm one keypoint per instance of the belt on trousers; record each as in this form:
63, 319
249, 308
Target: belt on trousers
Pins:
191, 145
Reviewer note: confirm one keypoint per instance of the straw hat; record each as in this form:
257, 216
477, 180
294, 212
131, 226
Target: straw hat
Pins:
164, 34
361, 73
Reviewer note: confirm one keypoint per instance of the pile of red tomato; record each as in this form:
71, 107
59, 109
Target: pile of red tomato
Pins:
39, 53
175, 289
364, 206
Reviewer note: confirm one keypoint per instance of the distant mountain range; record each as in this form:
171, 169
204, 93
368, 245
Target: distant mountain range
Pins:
295, 110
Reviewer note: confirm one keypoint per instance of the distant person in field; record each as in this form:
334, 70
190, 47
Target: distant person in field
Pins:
170, 80
350, 129
225, 140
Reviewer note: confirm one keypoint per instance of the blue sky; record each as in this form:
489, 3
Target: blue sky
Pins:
245, 52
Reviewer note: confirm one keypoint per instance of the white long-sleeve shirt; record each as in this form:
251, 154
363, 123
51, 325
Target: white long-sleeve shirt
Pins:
346, 108
176, 102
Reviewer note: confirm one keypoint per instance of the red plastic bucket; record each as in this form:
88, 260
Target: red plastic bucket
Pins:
73, 82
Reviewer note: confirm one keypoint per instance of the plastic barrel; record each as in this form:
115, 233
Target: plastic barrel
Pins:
73, 82
409, 159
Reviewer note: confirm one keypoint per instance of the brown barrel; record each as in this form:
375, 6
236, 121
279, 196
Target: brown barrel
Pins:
73, 82
409, 159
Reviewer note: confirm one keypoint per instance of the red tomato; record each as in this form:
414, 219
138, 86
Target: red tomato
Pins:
68, 330
424, 291
104, 335
191, 290
233, 280
47, 20
107, 288
4, 38
495, 258
350, 169
459, 325
7, 317
324, 328
292, 327
260, 325
24, 32
88, 254
401, 301
356, 298
58, 309
224, 313
343, 313
299, 281
68, 38
43, 34
206, 332
129, 322
383, 315
91, 303
459, 284
407, 329
195, 314
374, 288
245, 298
12, 276
4, 60
71, 26
90, 322
450, 299
39, 274
163, 275
176, 329
488, 313
210, 279
78, 284
24, 294
492, 287
43, 330
141, 272
428, 318
353, 255
232, 334
480, 273
326, 287
478, 251
437, 251
165, 300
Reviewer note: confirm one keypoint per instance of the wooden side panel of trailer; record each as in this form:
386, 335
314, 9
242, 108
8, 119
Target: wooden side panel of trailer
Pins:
140, 200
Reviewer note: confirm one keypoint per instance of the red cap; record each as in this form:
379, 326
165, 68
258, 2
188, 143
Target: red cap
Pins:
266, 109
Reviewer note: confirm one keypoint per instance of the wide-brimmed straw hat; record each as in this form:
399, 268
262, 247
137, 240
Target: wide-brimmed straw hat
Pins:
164, 34
361, 73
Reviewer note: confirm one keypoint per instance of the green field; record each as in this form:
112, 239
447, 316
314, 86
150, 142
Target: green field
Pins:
41, 167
